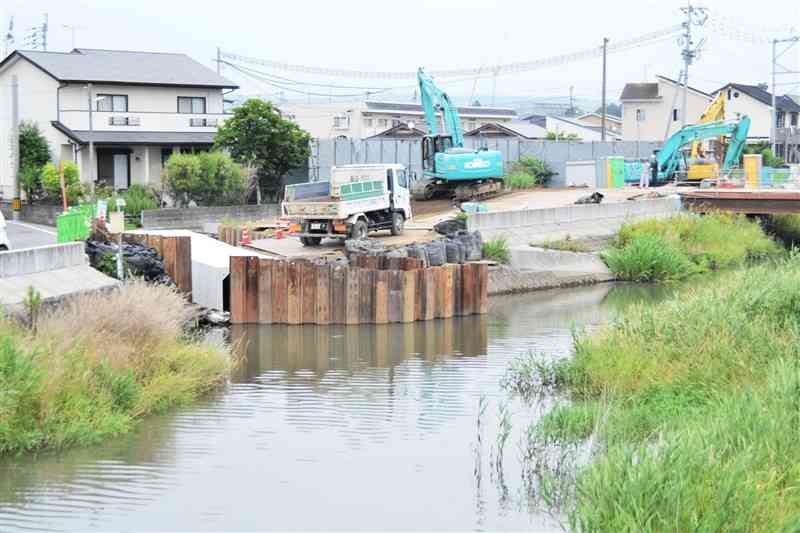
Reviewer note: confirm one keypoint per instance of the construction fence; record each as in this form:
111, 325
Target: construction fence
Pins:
326, 153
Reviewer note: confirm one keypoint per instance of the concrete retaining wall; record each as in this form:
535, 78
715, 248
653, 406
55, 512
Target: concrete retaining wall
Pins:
536, 225
527, 257
196, 217
35, 214
42, 259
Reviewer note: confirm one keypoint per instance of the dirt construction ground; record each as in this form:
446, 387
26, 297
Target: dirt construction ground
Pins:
428, 213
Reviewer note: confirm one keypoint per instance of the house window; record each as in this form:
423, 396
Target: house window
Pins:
729, 94
793, 119
641, 116
674, 115
117, 103
780, 119
367, 122
341, 122
191, 104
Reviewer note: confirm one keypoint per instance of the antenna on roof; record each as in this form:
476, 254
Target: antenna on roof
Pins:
8, 39
73, 28
37, 36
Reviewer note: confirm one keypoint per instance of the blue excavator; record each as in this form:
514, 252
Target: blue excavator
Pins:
671, 158
448, 167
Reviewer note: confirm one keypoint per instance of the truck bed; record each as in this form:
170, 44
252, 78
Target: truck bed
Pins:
315, 200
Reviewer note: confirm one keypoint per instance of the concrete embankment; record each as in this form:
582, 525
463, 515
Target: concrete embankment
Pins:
55, 271
524, 226
533, 269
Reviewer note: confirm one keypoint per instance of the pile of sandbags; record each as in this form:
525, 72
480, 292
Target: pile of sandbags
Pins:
138, 260
457, 247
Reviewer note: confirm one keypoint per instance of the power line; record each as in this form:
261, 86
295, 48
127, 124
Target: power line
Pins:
496, 70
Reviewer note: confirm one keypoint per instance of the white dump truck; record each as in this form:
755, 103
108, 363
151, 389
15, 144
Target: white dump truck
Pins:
356, 200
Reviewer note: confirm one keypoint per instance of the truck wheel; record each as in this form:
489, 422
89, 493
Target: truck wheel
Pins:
359, 230
428, 192
311, 241
397, 223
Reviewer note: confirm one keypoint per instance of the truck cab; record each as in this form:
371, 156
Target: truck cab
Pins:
356, 200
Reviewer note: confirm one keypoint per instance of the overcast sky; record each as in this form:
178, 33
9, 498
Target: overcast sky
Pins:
402, 35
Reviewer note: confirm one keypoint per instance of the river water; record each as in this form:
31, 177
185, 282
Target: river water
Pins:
393, 427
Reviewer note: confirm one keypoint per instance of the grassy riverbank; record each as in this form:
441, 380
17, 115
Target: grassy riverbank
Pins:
682, 245
694, 408
91, 369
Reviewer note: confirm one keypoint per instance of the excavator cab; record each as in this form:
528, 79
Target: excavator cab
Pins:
432, 145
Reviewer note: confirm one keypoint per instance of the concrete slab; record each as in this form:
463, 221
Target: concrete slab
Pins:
530, 258
42, 259
210, 265
291, 248
54, 285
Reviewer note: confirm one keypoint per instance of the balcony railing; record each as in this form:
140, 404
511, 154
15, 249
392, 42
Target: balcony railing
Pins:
153, 121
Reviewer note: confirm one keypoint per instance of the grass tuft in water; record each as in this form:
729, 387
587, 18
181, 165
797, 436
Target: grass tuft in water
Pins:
497, 250
682, 245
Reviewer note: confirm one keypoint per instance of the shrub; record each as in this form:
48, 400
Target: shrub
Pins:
207, 178
30, 178
528, 172
497, 250
51, 183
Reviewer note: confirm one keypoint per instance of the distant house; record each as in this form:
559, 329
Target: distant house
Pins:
515, 129
361, 120
755, 101
564, 127
401, 131
613, 123
652, 111
133, 108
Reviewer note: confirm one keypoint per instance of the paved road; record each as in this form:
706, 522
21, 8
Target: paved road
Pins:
25, 235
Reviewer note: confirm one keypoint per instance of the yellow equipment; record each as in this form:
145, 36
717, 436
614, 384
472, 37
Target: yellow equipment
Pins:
701, 168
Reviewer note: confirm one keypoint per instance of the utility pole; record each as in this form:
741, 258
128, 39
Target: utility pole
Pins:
16, 205
694, 16
219, 61
92, 166
571, 101
779, 70
603, 105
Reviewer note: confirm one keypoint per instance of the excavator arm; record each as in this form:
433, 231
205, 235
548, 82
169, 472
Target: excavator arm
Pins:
668, 157
713, 113
434, 99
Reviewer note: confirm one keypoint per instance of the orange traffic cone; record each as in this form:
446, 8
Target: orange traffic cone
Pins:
245, 236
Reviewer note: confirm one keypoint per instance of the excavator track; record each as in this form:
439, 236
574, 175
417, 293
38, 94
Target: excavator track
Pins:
478, 191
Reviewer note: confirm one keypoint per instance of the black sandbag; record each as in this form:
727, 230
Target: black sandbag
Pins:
437, 255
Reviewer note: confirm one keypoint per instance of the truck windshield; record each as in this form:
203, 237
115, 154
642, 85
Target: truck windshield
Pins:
401, 178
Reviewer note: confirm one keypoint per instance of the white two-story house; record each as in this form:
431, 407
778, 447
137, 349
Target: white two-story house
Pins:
118, 114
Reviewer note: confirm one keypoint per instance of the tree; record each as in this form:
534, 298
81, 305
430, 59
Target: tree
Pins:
558, 136
257, 136
207, 178
34, 153
611, 109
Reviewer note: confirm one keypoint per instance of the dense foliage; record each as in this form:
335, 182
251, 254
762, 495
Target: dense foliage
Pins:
34, 153
676, 247
87, 373
207, 178
528, 172
51, 183
258, 137
694, 409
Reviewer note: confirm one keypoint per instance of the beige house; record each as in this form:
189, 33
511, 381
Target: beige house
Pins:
652, 111
360, 120
117, 114
756, 102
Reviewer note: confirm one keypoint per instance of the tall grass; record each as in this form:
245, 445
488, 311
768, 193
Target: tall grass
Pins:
95, 366
785, 228
497, 250
701, 410
676, 247
520, 180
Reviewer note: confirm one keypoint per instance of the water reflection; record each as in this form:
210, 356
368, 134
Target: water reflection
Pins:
337, 427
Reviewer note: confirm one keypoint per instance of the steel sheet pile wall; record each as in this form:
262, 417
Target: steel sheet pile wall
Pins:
370, 290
